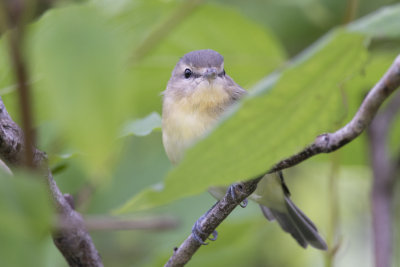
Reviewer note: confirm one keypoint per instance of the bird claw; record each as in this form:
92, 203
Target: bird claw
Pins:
232, 191
244, 203
196, 232
214, 236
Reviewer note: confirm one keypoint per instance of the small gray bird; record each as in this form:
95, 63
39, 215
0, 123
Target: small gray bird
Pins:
197, 94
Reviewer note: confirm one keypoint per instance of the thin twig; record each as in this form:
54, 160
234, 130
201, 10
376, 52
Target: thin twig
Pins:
324, 143
16, 13
23, 94
108, 223
329, 142
36, 9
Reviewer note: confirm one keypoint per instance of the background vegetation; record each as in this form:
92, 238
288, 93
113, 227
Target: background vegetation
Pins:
96, 67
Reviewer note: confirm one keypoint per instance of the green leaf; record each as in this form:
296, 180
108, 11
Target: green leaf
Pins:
83, 86
142, 127
287, 111
25, 220
384, 23
306, 101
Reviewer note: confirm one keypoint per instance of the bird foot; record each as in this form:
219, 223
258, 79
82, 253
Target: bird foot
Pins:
233, 191
197, 232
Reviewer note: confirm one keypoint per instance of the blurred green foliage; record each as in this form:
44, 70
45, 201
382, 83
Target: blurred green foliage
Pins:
97, 69
25, 220
143, 127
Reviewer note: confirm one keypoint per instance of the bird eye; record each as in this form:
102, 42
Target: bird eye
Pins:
188, 73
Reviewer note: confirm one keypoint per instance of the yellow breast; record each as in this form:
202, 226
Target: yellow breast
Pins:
187, 119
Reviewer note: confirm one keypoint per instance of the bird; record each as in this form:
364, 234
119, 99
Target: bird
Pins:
197, 95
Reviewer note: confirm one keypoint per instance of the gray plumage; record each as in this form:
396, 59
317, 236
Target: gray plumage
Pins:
203, 58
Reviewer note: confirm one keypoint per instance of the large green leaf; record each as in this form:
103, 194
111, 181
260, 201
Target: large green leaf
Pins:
286, 113
385, 23
306, 100
83, 87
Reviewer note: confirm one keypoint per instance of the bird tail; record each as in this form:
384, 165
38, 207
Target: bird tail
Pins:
296, 223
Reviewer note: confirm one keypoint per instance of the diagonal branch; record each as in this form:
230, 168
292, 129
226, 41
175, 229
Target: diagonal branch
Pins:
329, 142
210, 221
17, 146
324, 143
73, 242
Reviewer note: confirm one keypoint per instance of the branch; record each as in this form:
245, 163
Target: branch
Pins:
17, 146
329, 142
11, 12
108, 223
384, 170
21, 73
11, 140
74, 242
324, 143
210, 221
14, 15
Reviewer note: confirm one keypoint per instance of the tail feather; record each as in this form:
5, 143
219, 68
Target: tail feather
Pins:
305, 226
267, 213
297, 224
302, 215
285, 223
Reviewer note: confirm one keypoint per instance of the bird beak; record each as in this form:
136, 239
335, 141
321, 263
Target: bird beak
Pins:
210, 74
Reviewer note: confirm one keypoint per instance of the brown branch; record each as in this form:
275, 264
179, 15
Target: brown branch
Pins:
107, 223
210, 221
384, 170
14, 15
75, 242
17, 146
17, 59
324, 143
12, 11
11, 140
329, 142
